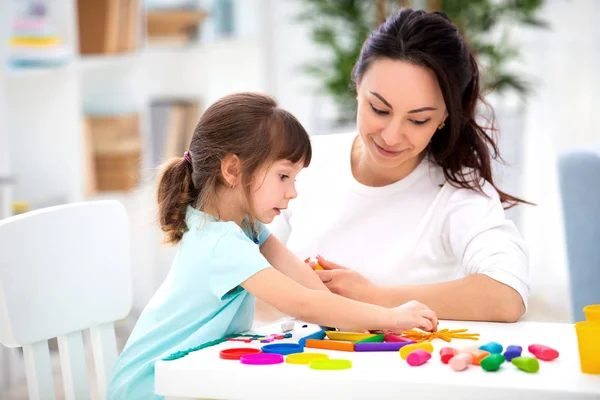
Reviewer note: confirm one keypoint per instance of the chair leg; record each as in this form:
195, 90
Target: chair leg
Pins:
104, 348
38, 369
74, 369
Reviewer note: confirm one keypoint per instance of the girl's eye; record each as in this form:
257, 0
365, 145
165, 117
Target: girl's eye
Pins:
378, 111
283, 177
416, 122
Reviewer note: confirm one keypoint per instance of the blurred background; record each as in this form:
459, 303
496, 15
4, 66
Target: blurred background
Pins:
96, 94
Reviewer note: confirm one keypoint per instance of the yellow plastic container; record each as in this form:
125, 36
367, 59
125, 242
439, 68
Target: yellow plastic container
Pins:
588, 340
409, 348
592, 312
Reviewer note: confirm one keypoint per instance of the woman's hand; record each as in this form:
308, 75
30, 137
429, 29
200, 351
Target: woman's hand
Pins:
346, 282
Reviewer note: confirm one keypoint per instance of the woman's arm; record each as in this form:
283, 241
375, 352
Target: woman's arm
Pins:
474, 298
289, 264
477, 298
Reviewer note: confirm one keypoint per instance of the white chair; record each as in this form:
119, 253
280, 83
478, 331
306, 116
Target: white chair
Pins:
65, 269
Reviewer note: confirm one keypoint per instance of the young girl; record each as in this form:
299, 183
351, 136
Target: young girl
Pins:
237, 176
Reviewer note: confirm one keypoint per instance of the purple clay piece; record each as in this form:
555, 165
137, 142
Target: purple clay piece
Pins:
380, 346
512, 352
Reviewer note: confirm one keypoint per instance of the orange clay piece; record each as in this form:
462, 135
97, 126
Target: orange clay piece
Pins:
478, 355
329, 345
444, 334
312, 262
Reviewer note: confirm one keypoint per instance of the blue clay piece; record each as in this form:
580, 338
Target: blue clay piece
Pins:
492, 348
319, 335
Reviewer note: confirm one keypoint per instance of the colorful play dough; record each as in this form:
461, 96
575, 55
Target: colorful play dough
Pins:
373, 339
446, 353
418, 357
316, 335
330, 345
389, 337
512, 352
543, 352
406, 350
478, 355
527, 364
492, 348
461, 361
380, 346
349, 336
492, 362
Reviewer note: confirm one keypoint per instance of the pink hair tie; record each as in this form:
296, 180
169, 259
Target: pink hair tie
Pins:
187, 157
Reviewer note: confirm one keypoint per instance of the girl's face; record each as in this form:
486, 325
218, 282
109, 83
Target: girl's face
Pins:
400, 106
273, 188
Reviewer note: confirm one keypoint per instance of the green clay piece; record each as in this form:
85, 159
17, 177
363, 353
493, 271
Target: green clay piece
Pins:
492, 362
527, 364
377, 338
330, 364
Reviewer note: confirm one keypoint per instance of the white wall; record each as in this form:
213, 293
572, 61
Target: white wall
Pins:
289, 48
562, 114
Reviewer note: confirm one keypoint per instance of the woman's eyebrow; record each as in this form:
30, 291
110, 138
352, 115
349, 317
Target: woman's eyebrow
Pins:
416, 110
380, 97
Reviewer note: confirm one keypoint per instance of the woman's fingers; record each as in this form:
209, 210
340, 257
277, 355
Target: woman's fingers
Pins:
328, 264
325, 275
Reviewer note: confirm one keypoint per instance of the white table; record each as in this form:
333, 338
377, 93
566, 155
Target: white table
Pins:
384, 375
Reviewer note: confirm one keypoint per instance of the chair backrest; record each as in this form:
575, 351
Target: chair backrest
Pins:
65, 269
579, 172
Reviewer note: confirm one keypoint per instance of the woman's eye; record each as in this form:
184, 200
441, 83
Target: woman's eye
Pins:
283, 177
378, 111
422, 122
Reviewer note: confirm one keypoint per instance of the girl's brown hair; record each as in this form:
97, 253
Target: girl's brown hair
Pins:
249, 125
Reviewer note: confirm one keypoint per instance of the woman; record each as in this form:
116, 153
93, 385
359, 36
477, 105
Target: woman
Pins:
408, 204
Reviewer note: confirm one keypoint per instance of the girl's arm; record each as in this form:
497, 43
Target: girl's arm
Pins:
325, 308
287, 263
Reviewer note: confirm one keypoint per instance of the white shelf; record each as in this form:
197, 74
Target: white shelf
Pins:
44, 72
101, 61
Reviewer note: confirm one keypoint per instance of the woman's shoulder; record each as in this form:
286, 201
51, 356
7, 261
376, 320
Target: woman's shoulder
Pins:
479, 189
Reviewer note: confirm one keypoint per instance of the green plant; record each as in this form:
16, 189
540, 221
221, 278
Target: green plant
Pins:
341, 27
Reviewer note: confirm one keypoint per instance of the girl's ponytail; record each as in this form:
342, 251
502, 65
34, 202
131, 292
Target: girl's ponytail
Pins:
175, 192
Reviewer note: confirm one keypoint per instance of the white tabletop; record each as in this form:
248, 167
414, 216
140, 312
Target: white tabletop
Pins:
384, 375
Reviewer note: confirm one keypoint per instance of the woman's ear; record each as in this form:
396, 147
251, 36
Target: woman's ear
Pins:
231, 169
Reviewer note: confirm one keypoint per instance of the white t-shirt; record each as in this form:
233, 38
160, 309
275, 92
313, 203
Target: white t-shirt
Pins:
418, 230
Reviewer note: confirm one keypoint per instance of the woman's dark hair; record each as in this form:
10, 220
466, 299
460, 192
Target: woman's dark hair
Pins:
430, 40
249, 125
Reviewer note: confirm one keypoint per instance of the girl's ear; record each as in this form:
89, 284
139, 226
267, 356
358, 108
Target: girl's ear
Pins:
231, 169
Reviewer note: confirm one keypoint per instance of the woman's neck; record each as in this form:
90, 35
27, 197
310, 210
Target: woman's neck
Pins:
369, 173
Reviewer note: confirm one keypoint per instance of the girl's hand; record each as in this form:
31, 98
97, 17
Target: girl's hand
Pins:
346, 282
414, 315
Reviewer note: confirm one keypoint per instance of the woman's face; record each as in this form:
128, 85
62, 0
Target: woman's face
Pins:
400, 107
